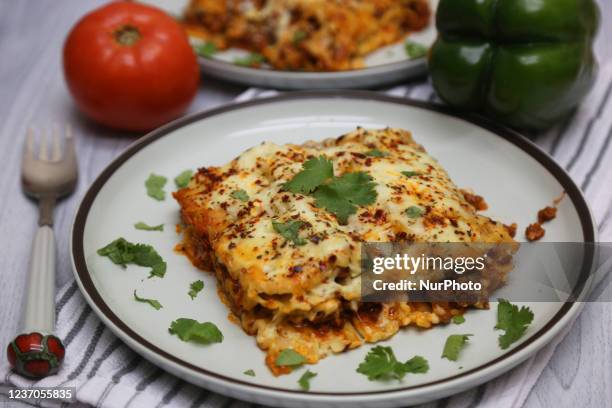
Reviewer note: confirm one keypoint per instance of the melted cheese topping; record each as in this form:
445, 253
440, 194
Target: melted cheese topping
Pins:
284, 292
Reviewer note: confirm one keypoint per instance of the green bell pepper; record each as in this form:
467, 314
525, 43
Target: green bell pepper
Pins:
525, 63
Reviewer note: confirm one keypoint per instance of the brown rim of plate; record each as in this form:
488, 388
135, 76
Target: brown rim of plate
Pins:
82, 273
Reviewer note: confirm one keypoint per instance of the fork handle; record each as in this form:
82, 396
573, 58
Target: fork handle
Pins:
36, 352
39, 314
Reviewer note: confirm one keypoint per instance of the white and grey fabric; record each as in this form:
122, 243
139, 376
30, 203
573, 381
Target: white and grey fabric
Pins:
574, 370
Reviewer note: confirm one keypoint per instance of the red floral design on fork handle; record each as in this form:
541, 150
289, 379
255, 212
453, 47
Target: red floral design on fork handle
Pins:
36, 355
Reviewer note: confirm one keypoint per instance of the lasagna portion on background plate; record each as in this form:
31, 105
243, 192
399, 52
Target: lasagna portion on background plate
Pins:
282, 227
306, 35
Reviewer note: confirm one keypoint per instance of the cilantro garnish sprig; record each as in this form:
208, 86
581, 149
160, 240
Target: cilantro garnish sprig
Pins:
195, 288
290, 358
155, 186
240, 195
123, 252
146, 227
513, 321
414, 211
252, 60
183, 179
414, 49
290, 230
381, 364
453, 346
343, 194
314, 173
458, 319
376, 153
153, 302
193, 331
207, 49
304, 380
339, 195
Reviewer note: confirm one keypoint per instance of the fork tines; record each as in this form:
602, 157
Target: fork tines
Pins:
52, 151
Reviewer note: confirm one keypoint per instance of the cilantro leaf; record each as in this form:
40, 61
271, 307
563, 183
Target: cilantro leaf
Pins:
155, 186
454, 344
154, 303
410, 173
183, 179
195, 288
459, 319
119, 251
414, 211
357, 187
314, 172
417, 365
304, 380
415, 49
123, 252
513, 321
142, 226
249, 372
376, 153
299, 36
252, 60
343, 194
192, 330
380, 364
290, 231
333, 202
207, 49
158, 269
240, 195
290, 358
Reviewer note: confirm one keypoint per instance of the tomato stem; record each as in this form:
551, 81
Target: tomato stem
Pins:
127, 35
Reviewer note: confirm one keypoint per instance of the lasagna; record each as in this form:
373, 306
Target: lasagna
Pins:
288, 263
307, 35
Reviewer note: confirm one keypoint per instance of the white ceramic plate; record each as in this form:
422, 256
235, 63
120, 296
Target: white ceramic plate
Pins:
385, 66
516, 178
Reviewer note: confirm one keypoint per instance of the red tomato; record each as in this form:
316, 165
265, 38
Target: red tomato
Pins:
130, 66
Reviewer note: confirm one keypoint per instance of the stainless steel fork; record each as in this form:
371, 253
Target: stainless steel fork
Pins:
48, 174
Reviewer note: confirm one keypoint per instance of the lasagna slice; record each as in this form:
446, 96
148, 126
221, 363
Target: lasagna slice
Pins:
288, 267
309, 35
